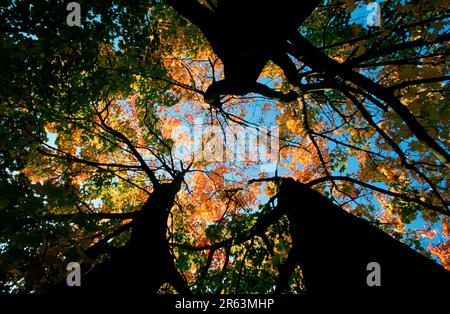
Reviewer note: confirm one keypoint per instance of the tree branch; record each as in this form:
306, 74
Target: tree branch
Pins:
133, 149
318, 61
378, 189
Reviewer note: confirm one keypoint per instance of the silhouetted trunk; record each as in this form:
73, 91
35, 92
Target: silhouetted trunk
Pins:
145, 263
148, 243
245, 35
334, 248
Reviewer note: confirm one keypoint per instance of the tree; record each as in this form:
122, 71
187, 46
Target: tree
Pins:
93, 118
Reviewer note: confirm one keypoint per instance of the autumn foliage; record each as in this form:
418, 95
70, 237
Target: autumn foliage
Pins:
90, 119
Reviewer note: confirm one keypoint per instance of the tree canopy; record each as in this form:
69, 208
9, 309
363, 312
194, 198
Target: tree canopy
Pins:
94, 120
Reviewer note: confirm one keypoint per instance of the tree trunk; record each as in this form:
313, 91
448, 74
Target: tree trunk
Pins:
148, 244
334, 248
145, 263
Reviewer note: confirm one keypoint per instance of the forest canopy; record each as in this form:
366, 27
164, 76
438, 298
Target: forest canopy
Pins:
111, 149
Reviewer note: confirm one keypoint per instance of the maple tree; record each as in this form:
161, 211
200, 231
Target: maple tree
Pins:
89, 120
